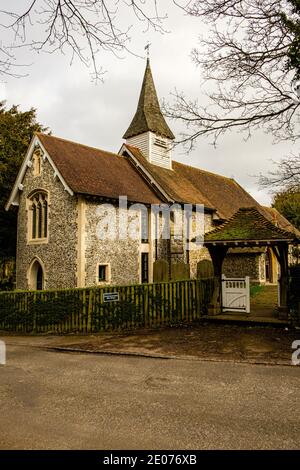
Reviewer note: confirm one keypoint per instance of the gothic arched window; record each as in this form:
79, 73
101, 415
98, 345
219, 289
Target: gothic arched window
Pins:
38, 215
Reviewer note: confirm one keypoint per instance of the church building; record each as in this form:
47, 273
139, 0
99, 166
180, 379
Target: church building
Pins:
62, 186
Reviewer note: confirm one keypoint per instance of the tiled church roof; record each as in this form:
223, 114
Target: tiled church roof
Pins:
95, 172
148, 116
192, 185
88, 170
280, 220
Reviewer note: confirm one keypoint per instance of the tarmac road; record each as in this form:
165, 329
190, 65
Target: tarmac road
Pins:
51, 400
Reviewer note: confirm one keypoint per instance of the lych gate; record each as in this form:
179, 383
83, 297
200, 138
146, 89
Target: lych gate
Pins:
249, 228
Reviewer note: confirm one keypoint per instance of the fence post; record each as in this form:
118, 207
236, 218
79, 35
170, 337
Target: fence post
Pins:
247, 294
34, 313
146, 305
90, 311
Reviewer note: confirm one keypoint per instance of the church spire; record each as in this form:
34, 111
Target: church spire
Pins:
148, 116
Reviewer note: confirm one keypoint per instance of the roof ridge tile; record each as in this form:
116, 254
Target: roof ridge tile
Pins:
76, 143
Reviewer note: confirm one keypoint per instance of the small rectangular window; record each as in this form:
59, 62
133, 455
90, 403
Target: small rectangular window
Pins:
144, 226
145, 267
102, 272
188, 227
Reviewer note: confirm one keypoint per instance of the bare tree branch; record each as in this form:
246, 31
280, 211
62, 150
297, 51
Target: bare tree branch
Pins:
83, 27
286, 177
245, 61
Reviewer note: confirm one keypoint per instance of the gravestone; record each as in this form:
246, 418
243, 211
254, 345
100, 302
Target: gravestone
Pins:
205, 269
160, 271
180, 271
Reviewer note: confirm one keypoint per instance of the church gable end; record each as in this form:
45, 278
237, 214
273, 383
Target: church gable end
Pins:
47, 226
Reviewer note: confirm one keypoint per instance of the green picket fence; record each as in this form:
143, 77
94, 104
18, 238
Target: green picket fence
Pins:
85, 311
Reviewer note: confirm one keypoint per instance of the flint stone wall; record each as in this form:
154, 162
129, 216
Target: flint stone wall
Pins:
122, 256
59, 254
241, 265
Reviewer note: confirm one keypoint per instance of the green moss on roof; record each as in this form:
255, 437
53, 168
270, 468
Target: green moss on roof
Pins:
148, 116
247, 224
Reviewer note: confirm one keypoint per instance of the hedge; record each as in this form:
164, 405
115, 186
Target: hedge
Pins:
84, 310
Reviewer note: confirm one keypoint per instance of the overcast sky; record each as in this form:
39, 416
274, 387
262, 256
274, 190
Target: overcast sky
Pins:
75, 108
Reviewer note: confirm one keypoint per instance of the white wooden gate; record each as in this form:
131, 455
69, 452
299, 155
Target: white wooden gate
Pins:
235, 294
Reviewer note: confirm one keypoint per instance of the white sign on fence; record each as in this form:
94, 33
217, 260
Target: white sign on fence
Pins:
235, 294
111, 297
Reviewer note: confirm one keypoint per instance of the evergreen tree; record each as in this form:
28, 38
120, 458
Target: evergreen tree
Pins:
16, 131
288, 204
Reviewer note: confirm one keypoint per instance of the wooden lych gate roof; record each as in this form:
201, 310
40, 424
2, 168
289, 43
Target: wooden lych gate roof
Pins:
248, 227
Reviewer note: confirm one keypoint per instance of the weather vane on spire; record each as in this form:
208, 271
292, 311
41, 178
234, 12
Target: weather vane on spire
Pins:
147, 48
